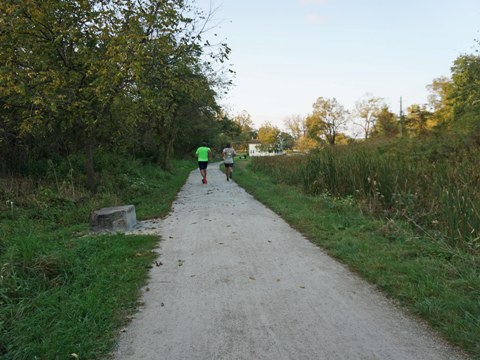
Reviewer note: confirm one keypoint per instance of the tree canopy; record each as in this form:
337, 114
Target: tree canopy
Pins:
328, 118
464, 93
367, 110
269, 136
91, 74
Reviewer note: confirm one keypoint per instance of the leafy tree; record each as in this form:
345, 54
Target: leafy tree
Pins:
305, 143
174, 85
466, 83
244, 121
326, 121
296, 125
464, 92
343, 139
63, 69
287, 141
268, 135
247, 131
229, 127
439, 100
367, 111
418, 119
386, 124
438, 92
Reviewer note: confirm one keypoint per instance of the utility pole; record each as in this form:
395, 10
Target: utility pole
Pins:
401, 118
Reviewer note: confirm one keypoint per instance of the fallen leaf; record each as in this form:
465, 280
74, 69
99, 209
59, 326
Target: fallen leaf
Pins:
302, 286
158, 263
251, 278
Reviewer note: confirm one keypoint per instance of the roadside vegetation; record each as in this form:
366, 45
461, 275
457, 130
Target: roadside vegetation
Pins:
64, 292
404, 221
100, 100
434, 185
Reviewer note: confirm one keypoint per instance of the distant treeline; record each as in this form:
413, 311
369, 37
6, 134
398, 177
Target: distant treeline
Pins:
453, 105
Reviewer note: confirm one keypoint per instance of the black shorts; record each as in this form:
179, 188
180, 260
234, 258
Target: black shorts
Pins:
228, 165
202, 165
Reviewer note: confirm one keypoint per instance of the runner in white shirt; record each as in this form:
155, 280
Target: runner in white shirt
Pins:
228, 154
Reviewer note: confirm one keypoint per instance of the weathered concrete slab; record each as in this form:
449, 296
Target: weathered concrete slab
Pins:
113, 219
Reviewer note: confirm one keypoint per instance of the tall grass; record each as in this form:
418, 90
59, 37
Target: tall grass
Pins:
439, 194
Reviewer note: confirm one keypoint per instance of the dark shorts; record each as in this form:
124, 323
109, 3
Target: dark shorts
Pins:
202, 165
228, 165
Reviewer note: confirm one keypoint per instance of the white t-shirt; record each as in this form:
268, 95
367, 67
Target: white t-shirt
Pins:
228, 154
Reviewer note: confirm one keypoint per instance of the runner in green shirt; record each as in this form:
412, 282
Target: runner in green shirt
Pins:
203, 154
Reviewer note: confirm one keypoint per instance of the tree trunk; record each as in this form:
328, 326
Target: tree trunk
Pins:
160, 133
167, 138
89, 166
167, 149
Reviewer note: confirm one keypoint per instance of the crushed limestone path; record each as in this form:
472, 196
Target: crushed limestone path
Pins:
234, 281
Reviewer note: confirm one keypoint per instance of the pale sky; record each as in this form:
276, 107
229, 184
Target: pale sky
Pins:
287, 53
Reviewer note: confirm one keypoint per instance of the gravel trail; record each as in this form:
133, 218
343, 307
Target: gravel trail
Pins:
234, 281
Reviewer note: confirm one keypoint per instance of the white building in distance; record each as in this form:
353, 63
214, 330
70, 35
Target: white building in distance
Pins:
254, 149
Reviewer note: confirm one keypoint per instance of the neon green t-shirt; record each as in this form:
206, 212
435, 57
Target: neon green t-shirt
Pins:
202, 153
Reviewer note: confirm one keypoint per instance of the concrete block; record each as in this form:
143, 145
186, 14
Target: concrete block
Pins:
113, 219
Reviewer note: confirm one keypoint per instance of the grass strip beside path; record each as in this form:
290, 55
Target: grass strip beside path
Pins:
63, 291
432, 280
